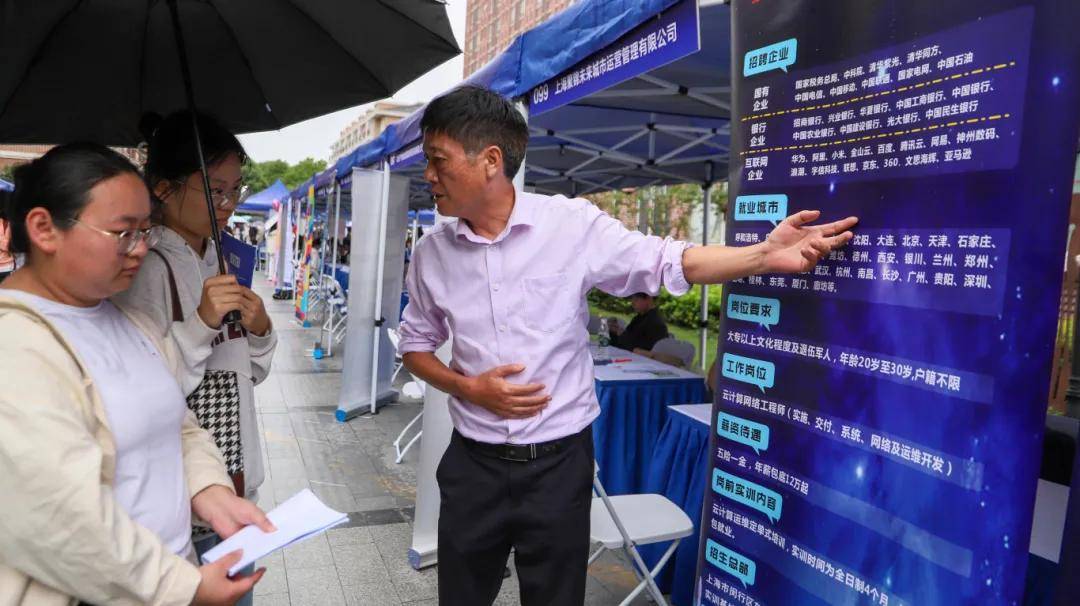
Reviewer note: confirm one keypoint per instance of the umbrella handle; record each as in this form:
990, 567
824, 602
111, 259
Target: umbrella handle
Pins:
233, 317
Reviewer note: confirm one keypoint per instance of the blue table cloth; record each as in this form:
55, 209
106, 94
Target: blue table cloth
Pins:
632, 414
679, 470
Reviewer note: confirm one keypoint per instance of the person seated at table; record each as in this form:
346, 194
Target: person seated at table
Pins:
645, 329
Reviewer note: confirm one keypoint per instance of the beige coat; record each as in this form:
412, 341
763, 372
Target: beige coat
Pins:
61, 531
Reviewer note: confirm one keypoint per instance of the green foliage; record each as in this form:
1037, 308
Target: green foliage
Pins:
681, 311
260, 175
303, 171
6, 172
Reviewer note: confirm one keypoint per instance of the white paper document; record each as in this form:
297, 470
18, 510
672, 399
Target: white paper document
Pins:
299, 518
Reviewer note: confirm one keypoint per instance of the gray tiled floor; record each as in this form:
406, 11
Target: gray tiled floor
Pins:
351, 467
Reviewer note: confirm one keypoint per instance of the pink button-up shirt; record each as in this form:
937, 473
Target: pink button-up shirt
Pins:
520, 299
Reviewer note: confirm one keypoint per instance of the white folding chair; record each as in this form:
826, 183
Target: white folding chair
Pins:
629, 521
682, 350
413, 389
395, 339
337, 311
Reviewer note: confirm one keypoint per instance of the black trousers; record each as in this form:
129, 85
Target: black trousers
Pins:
539, 508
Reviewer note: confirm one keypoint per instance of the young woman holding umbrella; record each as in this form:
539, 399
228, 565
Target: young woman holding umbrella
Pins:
102, 466
180, 289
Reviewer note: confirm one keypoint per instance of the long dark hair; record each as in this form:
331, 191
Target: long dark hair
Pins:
171, 154
60, 182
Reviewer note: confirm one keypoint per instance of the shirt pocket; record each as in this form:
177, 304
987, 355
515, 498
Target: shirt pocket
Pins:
549, 302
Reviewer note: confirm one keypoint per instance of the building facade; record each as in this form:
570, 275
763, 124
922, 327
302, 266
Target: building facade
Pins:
369, 125
14, 155
490, 25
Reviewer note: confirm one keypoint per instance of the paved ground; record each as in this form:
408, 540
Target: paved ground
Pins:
351, 467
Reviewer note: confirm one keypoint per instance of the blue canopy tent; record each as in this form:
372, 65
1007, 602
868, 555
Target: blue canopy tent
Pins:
5, 186
425, 218
659, 119
620, 95
263, 202
532, 58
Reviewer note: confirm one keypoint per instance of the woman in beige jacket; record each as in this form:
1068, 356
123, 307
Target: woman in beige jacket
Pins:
101, 464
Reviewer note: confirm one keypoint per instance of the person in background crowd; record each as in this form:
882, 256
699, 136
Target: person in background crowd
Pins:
180, 289
508, 279
7, 259
253, 235
344, 248
645, 328
101, 463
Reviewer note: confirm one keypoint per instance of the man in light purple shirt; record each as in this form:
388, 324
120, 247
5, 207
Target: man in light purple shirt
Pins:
508, 280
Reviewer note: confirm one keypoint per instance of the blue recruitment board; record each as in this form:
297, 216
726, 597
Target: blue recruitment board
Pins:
240, 258
657, 42
878, 422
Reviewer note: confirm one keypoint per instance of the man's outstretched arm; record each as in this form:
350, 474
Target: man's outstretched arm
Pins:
793, 247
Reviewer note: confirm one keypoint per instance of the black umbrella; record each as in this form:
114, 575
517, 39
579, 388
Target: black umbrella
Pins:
89, 69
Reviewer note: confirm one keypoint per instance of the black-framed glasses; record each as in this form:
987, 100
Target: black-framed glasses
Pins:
222, 199
128, 240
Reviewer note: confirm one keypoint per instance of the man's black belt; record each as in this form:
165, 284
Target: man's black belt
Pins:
521, 453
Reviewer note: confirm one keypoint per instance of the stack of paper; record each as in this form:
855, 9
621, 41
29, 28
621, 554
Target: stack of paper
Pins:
299, 518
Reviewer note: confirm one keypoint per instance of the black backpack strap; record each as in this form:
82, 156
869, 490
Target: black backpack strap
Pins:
177, 310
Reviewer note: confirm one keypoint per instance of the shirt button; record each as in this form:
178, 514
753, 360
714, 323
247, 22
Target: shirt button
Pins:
502, 327
495, 286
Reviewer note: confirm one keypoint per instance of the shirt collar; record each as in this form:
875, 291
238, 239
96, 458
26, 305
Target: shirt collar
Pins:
523, 216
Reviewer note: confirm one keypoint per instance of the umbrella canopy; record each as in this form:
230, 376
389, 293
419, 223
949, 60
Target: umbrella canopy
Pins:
89, 69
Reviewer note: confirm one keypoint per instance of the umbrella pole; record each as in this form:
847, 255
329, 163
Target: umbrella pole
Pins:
189, 91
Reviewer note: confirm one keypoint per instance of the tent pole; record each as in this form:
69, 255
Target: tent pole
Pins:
415, 230
519, 178
333, 261
704, 324
706, 191
337, 226
296, 240
380, 270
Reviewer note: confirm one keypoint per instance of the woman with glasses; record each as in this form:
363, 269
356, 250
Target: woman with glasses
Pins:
102, 466
179, 287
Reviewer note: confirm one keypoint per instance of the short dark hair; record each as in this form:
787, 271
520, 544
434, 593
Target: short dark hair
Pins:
60, 182
171, 153
477, 117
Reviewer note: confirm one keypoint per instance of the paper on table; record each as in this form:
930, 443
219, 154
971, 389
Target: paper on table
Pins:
301, 517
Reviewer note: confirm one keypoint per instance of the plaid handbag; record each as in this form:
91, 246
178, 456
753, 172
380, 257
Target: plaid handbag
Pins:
215, 402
